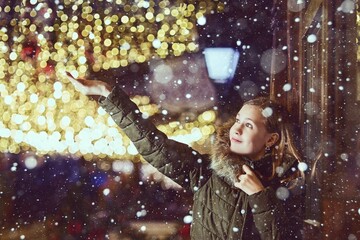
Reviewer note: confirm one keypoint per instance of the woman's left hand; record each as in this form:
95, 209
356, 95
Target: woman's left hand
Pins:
249, 182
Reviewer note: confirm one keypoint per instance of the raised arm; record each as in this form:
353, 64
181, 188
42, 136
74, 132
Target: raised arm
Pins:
176, 160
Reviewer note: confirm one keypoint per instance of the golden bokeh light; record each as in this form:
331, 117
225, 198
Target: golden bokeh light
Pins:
41, 110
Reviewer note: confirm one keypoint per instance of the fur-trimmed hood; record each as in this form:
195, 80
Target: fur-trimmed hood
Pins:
225, 163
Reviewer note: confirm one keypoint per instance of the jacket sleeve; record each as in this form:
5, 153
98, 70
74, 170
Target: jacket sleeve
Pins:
178, 161
278, 212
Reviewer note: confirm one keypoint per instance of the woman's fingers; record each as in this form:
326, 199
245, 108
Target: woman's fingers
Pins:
86, 87
78, 81
77, 84
247, 169
69, 74
89, 87
248, 182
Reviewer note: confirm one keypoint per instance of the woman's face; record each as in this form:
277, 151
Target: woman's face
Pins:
248, 135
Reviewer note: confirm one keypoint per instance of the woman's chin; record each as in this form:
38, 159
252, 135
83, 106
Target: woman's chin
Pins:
236, 150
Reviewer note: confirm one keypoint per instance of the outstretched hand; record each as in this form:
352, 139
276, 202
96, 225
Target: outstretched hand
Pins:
90, 87
249, 182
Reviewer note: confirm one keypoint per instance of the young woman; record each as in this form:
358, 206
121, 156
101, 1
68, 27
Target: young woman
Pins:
246, 189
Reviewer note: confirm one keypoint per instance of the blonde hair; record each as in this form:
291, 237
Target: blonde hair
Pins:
278, 120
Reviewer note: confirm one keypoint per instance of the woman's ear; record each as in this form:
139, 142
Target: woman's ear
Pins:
274, 137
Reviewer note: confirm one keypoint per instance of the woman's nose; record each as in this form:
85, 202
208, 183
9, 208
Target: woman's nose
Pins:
239, 129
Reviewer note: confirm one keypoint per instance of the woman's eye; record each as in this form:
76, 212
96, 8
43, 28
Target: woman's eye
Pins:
249, 125
237, 120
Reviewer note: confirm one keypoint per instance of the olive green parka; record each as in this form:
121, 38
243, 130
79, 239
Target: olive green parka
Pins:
220, 210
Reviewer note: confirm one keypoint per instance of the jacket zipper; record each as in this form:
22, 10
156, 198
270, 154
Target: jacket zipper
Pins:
245, 215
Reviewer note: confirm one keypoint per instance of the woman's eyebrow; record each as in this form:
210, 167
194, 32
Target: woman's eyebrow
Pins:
248, 119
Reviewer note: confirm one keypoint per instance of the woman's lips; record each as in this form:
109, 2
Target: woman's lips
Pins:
235, 140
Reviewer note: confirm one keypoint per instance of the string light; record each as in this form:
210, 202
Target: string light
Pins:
41, 110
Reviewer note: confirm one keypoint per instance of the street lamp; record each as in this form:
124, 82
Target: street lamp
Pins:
221, 63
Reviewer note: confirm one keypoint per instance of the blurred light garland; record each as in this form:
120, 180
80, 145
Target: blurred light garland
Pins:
39, 40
